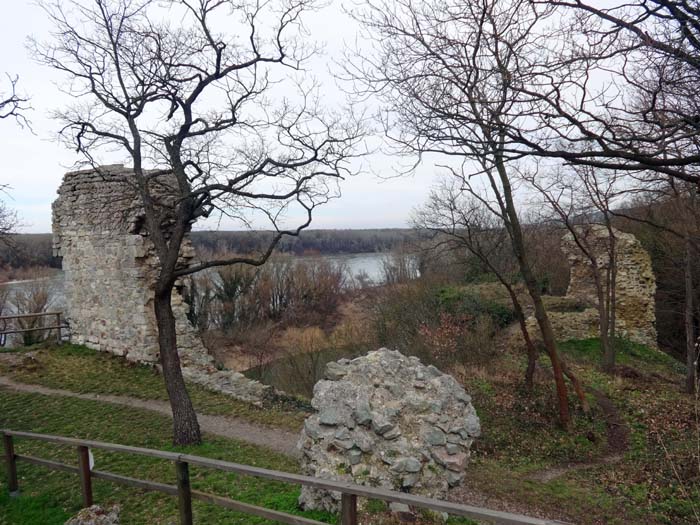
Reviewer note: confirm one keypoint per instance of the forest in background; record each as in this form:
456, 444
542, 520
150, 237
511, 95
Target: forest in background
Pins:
32, 252
34, 249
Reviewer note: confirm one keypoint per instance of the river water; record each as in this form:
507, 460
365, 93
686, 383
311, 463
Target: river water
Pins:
369, 265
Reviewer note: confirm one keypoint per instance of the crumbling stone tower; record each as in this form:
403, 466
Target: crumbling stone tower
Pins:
110, 269
635, 287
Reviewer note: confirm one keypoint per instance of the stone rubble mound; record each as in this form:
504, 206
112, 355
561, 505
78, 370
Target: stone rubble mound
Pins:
96, 515
387, 420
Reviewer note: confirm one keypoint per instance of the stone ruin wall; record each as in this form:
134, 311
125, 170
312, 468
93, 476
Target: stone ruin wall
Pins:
635, 282
635, 290
110, 270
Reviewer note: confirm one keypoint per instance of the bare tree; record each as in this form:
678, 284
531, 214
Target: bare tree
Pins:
223, 117
12, 104
617, 88
582, 201
446, 72
670, 208
8, 221
460, 223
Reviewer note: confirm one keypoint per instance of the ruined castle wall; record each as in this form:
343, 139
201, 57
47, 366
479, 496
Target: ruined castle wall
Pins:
111, 268
635, 281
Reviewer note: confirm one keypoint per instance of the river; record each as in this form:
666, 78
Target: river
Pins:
369, 265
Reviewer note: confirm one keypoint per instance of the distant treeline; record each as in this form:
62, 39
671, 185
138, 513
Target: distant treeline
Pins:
35, 249
25, 250
307, 243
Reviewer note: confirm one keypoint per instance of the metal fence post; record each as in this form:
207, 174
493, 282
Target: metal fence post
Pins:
184, 492
58, 330
85, 475
348, 509
11, 465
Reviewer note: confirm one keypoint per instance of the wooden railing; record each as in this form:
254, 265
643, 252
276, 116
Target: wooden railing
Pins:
4, 331
185, 494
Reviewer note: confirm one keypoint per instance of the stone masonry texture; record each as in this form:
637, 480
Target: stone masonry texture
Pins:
635, 287
387, 420
110, 270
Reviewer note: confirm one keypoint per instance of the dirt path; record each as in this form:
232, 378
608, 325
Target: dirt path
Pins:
617, 435
276, 439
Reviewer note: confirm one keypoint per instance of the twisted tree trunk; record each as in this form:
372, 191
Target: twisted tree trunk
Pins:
186, 429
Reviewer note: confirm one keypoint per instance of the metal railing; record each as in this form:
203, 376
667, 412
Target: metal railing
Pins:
5, 331
185, 494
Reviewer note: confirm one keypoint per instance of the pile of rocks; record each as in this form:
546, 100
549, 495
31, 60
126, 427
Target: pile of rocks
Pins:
387, 420
96, 515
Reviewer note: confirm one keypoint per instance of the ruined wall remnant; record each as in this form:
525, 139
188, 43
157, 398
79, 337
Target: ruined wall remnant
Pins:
635, 287
575, 316
110, 270
386, 420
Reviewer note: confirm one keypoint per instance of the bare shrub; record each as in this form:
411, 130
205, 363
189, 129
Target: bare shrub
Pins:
284, 290
32, 297
4, 307
440, 324
25, 273
400, 266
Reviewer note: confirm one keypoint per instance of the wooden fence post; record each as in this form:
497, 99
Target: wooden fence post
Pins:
348, 509
11, 465
58, 324
85, 475
184, 492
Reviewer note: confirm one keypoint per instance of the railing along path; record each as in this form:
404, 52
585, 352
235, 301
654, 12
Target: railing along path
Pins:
185, 494
4, 330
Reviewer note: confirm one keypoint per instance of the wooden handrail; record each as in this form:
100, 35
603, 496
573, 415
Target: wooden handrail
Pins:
348, 491
22, 316
58, 326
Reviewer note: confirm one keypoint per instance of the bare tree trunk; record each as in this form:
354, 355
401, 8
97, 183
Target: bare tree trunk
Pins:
513, 223
611, 296
529, 345
690, 343
604, 326
185, 426
578, 388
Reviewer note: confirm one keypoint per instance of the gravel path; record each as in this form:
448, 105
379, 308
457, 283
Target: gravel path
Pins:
274, 438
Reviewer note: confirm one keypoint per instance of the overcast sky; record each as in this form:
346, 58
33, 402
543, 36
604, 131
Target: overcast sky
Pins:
33, 163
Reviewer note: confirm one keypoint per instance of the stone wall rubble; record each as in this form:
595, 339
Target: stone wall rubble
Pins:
635, 291
635, 282
387, 420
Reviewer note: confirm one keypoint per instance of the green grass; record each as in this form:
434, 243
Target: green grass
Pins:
627, 353
520, 438
79, 369
49, 497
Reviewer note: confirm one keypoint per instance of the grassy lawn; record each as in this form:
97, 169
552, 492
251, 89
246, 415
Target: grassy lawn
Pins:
656, 482
79, 369
51, 497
